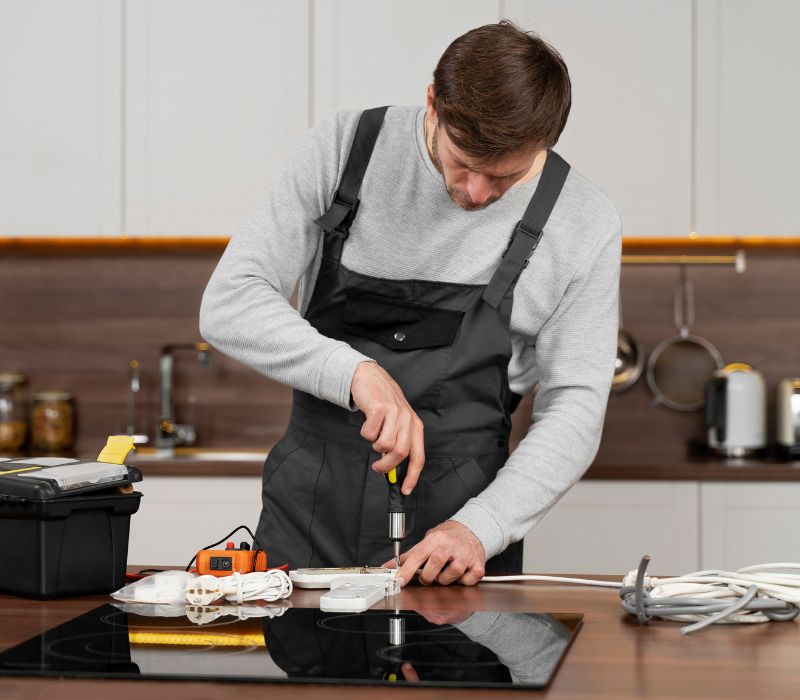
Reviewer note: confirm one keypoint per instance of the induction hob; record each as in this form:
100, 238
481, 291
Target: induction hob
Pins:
303, 645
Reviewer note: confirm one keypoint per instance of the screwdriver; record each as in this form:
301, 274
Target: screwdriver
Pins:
397, 513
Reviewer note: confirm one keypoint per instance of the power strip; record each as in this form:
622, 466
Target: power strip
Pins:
324, 577
357, 593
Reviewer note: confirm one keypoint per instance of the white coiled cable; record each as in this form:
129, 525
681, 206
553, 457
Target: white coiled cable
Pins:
237, 588
759, 593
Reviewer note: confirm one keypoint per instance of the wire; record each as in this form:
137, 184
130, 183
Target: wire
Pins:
756, 593
237, 588
230, 534
558, 579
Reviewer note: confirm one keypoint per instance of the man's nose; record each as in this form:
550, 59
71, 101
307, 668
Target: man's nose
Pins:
479, 187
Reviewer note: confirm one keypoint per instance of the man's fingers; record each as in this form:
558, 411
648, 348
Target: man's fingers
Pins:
388, 437
409, 673
452, 572
411, 560
437, 560
373, 424
416, 456
473, 575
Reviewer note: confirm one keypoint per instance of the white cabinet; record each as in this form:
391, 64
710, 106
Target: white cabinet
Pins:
630, 125
749, 523
597, 527
605, 527
216, 97
368, 54
748, 108
180, 515
60, 117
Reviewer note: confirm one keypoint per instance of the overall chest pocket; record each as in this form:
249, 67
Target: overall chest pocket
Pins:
411, 341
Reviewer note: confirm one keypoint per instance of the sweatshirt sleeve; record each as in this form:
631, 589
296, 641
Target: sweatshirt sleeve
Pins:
575, 354
245, 312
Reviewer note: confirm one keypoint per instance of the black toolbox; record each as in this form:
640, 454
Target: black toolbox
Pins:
64, 531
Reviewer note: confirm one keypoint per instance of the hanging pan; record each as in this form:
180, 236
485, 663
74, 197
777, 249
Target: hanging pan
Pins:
679, 367
629, 364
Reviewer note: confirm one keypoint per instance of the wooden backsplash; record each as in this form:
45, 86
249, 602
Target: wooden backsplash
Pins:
73, 318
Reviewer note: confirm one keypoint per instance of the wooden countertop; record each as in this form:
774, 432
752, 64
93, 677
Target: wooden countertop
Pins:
611, 658
687, 470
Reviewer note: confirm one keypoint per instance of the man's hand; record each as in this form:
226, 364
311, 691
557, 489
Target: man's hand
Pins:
391, 424
450, 552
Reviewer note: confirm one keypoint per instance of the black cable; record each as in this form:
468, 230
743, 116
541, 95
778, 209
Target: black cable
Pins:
209, 546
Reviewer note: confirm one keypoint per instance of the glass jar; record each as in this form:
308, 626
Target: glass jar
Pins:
13, 411
52, 421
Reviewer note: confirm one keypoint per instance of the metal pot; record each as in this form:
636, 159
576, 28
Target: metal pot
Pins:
679, 367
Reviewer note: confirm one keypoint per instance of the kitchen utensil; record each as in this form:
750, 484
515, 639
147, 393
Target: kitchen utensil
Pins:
736, 411
679, 367
787, 424
629, 364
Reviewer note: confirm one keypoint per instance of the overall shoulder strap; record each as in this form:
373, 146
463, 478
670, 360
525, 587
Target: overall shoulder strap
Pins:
528, 231
341, 213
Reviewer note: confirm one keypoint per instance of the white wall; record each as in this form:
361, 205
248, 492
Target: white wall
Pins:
172, 117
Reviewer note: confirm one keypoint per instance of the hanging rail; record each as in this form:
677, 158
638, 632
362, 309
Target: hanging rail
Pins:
737, 261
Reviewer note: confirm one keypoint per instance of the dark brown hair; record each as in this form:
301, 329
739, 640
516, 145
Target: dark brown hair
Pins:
499, 90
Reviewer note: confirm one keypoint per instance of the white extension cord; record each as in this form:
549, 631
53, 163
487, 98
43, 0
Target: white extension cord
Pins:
237, 588
758, 593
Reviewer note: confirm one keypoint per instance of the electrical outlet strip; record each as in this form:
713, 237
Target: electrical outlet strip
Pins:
352, 598
357, 592
324, 577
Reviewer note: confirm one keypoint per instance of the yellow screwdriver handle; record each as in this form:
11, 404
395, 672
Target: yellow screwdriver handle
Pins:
392, 475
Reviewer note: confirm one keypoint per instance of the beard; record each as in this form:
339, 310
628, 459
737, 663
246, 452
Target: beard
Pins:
460, 198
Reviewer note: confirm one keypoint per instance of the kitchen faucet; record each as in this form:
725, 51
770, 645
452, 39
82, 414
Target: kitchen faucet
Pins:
170, 433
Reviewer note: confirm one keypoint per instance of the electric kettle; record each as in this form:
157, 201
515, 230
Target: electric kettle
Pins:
736, 411
787, 425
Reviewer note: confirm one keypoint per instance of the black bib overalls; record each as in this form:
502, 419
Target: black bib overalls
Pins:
447, 345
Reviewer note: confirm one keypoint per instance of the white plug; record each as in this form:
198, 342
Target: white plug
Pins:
203, 590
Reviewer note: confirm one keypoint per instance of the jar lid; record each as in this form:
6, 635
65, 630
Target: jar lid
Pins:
9, 379
52, 395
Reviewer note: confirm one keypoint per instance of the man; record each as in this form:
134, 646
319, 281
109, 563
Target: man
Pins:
448, 261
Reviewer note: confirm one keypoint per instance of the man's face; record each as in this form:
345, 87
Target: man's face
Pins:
471, 184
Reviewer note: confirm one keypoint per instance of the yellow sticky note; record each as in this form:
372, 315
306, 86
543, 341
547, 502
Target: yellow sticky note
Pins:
116, 449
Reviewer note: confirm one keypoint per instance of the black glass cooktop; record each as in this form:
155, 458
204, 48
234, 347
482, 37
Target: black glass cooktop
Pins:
302, 645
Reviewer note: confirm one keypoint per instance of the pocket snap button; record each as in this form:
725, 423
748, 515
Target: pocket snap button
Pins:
399, 336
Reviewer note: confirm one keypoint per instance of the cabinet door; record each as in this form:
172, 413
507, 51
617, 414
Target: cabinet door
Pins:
629, 128
60, 117
605, 527
749, 523
368, 54
180, 515
217, 96
748, 144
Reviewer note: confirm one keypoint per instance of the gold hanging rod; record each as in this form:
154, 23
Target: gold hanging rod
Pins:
738, 261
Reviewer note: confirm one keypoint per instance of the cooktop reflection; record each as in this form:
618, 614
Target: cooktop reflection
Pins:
301, 645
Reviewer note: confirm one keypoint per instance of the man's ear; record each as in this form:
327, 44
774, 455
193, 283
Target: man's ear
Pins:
430, 109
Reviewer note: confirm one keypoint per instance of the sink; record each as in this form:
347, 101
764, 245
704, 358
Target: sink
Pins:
197, 454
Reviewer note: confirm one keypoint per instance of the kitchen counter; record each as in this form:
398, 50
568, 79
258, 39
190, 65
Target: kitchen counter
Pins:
690, 469
611, 658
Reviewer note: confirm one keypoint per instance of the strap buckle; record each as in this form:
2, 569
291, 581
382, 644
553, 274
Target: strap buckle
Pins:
532, 233
527, 231
352, 208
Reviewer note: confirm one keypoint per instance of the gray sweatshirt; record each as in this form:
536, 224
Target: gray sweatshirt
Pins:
563, 322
